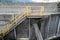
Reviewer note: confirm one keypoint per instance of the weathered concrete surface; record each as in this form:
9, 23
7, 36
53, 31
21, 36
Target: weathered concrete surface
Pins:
12, 8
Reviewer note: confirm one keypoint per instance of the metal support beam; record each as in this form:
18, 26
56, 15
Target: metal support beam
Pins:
37, 31
15, 33
29, 27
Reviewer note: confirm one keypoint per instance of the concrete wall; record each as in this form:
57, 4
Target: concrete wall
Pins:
11, 8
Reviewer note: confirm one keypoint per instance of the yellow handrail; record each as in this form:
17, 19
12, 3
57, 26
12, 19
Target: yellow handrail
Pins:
2, 30
8, 27
26, 11
19, 16
41, 10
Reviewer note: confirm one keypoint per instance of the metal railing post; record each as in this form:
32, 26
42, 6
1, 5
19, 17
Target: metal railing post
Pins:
41, 10
26, 11
2, 31
8, 28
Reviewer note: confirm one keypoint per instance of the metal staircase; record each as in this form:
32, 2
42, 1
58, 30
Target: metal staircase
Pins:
10, 26
18, 19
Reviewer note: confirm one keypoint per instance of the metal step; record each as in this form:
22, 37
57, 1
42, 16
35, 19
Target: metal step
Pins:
14, 25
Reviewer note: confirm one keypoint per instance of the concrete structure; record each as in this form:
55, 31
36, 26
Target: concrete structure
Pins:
49, 8
21, 27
